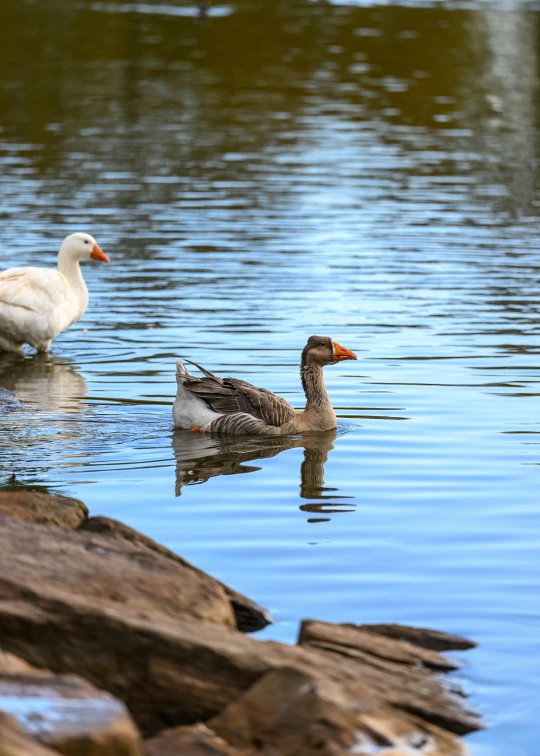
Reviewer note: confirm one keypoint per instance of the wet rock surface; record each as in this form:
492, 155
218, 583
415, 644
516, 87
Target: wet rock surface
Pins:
139, 623
14, 742
63, 712
34, 506
8, 397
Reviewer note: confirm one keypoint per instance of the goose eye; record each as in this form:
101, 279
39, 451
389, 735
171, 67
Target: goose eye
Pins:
86, 241
323, 343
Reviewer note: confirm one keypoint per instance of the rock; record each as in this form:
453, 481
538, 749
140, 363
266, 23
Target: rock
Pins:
293, 713
11, 664
421, 636
35, 506
8, 397
347, 639
406, 686
171, 672
160, 636
194, 740
45, 565
167, 672
14, 742
65, 712
290, 712
249, 615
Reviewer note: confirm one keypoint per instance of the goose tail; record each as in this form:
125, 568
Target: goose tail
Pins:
182, 371
205, 372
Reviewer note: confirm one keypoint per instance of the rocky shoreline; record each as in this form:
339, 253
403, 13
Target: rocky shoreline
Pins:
112, 645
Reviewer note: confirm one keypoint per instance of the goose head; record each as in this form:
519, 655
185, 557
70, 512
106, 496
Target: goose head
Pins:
81, 246
322, 350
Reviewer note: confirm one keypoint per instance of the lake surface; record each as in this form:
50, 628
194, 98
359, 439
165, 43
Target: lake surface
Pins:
363, 170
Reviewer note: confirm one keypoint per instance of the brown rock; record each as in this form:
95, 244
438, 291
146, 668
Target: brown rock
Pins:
35, 506
196, 740
159, 636
249, 615
11, 664
289, 712
406, 687
68, 714
436, 640
167, 672
350, 638
193, 671
14, 742
293, 713
43, 564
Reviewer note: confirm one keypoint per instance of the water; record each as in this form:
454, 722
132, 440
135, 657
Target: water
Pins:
363, 170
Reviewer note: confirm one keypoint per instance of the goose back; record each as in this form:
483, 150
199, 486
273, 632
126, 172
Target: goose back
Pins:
229, 396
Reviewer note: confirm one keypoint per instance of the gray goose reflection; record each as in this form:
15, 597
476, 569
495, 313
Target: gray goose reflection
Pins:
200, 457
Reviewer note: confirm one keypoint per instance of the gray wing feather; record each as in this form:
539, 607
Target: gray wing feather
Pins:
229, 396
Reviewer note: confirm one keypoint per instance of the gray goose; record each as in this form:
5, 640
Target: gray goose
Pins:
233, 407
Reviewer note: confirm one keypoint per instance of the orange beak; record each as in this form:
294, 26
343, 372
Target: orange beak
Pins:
340, 353
99, 254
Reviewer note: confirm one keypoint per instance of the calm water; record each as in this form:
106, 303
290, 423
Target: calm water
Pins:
365, 170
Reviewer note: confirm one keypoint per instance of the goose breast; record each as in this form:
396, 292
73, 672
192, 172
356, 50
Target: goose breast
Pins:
35, 304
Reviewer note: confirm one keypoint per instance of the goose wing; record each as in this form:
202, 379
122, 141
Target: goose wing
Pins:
229, 396
32, 290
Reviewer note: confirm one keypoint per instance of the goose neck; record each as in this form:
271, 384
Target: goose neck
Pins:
313, 385
70, 268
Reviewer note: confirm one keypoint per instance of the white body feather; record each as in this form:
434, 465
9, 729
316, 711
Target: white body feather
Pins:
36, 304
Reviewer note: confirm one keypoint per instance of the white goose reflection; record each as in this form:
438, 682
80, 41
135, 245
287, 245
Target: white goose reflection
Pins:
45, 420
43, 380
200, 457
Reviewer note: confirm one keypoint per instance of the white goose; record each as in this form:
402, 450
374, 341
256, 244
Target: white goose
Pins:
36, 304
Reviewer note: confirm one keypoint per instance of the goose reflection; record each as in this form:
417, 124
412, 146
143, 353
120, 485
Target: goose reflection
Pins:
45, 420
43, 380
200, 457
